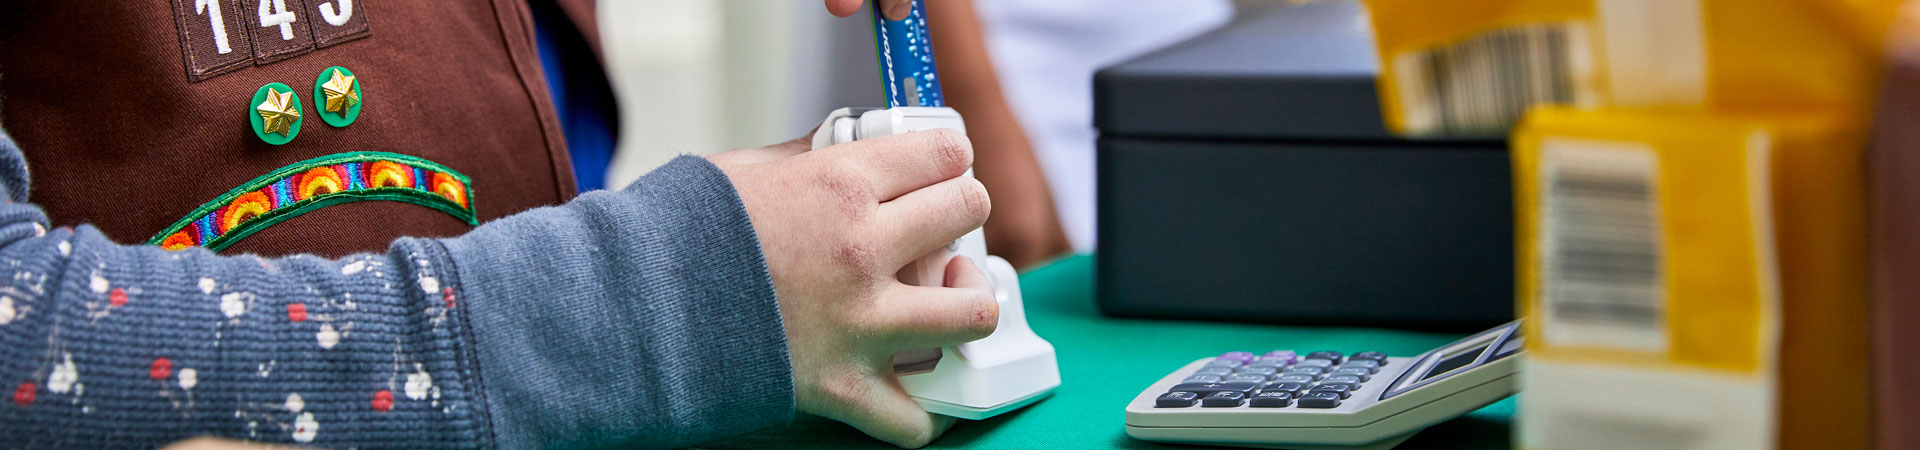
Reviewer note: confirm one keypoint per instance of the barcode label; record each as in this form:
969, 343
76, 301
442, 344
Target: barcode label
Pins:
1480, 86
1603, 279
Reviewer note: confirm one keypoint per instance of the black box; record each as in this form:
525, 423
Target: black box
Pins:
1245, 175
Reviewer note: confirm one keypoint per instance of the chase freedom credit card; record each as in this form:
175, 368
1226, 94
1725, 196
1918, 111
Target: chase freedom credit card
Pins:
905, 49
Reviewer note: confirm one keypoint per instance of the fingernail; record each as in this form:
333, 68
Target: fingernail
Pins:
899, 10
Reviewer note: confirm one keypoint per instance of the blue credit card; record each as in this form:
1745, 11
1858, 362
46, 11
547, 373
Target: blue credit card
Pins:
906, 58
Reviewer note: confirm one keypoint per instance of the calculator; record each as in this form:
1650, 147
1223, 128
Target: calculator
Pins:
1326, 399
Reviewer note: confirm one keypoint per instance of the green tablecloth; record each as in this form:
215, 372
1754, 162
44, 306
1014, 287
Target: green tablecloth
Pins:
1105, 361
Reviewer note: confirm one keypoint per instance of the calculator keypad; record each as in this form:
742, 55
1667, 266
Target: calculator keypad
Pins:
1261, 370
1328, 355
1271, 399
1248, 377
1176, 400
1316, 363
1320, 400
1221, 371
1276, 379
1296, 378
1224, 399
1369, 371
1307, 370
1209, 388
1292, 388
1355, 379
1227, 363
1344, 390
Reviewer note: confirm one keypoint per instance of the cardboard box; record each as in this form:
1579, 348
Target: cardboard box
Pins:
1693, 280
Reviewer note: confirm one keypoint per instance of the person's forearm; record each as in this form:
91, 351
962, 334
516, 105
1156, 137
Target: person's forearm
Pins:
641, 318
602, 321
1025, 228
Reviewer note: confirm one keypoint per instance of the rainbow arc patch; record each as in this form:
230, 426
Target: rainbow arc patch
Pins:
317, 183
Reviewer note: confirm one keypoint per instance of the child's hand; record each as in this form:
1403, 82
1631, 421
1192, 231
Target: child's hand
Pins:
836, 225
893, 9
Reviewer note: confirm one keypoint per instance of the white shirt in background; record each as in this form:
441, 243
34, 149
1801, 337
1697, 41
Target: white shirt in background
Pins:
1046, 51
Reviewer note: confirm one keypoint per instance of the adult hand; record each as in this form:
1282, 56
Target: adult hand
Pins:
836, 225
893, 9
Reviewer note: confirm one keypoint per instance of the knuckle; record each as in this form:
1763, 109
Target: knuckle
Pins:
952, 150
851, 190
858, 255
857, 212
848, 181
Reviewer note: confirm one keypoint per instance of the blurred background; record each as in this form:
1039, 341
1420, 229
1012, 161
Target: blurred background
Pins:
709, 76
1684, 199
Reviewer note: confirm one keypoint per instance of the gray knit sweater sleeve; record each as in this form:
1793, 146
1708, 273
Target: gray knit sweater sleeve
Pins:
638, 318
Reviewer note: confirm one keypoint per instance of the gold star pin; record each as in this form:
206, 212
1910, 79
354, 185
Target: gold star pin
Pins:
278, 112
340, 92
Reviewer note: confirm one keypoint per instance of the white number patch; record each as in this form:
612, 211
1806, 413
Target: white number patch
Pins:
279, 15
346, 13
219, 23
210, 45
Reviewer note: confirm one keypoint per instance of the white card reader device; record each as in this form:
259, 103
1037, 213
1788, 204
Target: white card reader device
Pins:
1326, 399
1009, 369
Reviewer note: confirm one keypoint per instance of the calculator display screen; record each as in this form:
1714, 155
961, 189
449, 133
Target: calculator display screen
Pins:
1454, 362
1458, 357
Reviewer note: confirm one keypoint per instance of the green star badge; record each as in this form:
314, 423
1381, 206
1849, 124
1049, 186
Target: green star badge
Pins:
275, 114
339, 94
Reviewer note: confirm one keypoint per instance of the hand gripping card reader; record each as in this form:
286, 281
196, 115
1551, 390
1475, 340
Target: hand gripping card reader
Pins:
1009, 369
1325, 399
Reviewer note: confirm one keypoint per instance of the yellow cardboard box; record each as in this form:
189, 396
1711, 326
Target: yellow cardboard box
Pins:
1692, 279
1472, 67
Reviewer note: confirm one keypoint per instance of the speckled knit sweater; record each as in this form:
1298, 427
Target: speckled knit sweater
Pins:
638, 318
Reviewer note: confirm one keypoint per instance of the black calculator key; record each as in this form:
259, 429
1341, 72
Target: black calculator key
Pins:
1257, 371
1355, 379
1314, 363
1326, 355
1362, 363
1227, 363
1204, 379
1221, 371
1293, 388
1224, 399
1307, 370
1296, 378
1343, 370
1209, 388
1248, 378
1320, 400
1370, 356
1271, 399
1176, 400
1344, 390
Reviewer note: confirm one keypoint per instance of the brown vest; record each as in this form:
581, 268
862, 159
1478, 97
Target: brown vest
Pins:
132, 119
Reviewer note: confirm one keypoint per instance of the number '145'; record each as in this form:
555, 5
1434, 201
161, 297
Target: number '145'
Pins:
272, 13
